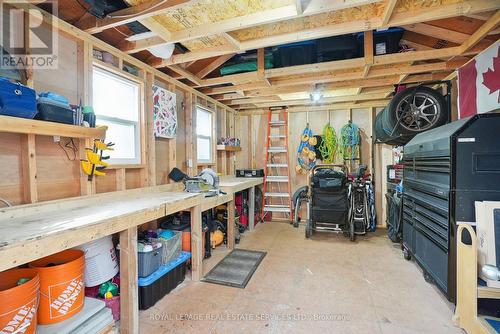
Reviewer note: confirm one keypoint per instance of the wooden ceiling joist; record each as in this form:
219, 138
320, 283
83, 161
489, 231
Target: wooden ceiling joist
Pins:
213, 65
489, 25
437, 32
388, 9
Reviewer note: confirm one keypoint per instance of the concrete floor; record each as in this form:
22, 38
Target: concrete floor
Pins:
361, 287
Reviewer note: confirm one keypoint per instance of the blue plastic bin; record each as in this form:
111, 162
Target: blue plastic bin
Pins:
16, 99
166, 278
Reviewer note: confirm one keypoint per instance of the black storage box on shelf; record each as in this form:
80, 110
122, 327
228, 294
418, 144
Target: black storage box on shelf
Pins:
162, 281
54, 112
249, 173
446, 170
295, 54
337, 48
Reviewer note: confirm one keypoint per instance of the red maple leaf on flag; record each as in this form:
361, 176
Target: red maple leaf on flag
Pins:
491, 78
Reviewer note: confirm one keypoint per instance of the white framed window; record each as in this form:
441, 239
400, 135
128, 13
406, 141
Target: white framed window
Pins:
204, 138
116, 102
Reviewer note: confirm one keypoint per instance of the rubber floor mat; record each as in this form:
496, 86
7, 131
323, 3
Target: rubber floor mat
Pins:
236, 268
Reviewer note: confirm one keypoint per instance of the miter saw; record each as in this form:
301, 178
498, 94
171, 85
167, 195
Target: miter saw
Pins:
206, 182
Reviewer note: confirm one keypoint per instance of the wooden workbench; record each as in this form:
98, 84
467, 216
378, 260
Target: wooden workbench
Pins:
29, 232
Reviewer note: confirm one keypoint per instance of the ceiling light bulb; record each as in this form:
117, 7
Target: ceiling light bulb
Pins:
316, 96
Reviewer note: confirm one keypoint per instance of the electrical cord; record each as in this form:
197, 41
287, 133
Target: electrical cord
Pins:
70, 144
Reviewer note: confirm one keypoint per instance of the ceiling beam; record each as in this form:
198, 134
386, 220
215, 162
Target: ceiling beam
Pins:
347, 98
186, 74
437, 32
323, 107
388, 9
442, 12
213, 65
481, 32
135, 13
261, 61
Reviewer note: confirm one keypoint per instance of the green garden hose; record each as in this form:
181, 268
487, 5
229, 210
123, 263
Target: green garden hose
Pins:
329, 145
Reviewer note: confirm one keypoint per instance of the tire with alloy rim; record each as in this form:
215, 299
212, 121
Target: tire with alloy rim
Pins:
418, 109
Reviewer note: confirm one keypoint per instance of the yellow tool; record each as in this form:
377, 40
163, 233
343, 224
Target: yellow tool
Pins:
89, 169
94, 165
95, 158
103, 146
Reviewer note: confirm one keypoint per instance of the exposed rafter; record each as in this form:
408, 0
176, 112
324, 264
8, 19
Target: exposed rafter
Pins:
213, 65
388, 9
481, 32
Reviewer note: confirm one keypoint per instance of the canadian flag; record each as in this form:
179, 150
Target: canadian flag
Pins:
479, 83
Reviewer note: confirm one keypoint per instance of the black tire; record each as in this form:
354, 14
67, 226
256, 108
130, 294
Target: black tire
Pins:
352, 236
308, 229
426, 111
406, 254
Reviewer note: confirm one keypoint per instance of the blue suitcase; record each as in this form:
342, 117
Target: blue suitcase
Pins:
16, 99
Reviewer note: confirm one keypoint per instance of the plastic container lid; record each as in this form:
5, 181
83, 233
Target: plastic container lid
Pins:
166, 234
164, 269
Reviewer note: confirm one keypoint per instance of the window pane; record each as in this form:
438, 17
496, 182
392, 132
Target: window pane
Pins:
203, 122
204, 149
124, 137
114, 96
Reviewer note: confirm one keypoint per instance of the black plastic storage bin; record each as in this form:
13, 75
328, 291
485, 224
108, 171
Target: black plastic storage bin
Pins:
162, 281
337, 48
54, 112
295, 54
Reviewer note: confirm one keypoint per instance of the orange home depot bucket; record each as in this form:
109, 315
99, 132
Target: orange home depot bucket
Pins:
19, 303
61, 285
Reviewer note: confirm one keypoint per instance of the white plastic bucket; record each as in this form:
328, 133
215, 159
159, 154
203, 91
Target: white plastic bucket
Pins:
101, 263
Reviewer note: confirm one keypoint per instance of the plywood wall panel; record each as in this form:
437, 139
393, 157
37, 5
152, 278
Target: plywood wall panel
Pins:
64, 79
58, 174
241, 131
10, 173
362, 118
133, 178
106, 183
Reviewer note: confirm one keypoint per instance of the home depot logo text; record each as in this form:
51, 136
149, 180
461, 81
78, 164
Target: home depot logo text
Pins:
63, 303
22, 319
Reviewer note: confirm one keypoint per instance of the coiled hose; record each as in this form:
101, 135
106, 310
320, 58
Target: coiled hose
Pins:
329, 145
349, 141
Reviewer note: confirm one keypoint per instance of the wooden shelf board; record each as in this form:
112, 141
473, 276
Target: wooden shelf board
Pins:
31, 126
228, 148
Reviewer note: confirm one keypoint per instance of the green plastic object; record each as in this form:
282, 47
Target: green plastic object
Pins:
88, 109
248, 66
22, 280
108, 287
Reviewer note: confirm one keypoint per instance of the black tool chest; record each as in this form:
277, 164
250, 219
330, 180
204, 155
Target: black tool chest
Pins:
446, 169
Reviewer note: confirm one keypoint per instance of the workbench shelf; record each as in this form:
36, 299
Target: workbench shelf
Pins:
36, 127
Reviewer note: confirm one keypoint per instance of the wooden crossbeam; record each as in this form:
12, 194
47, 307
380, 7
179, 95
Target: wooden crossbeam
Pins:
481, 32
323, 107
261, 61
186, 74
348, 98
213, 65
437, 32
388, 9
